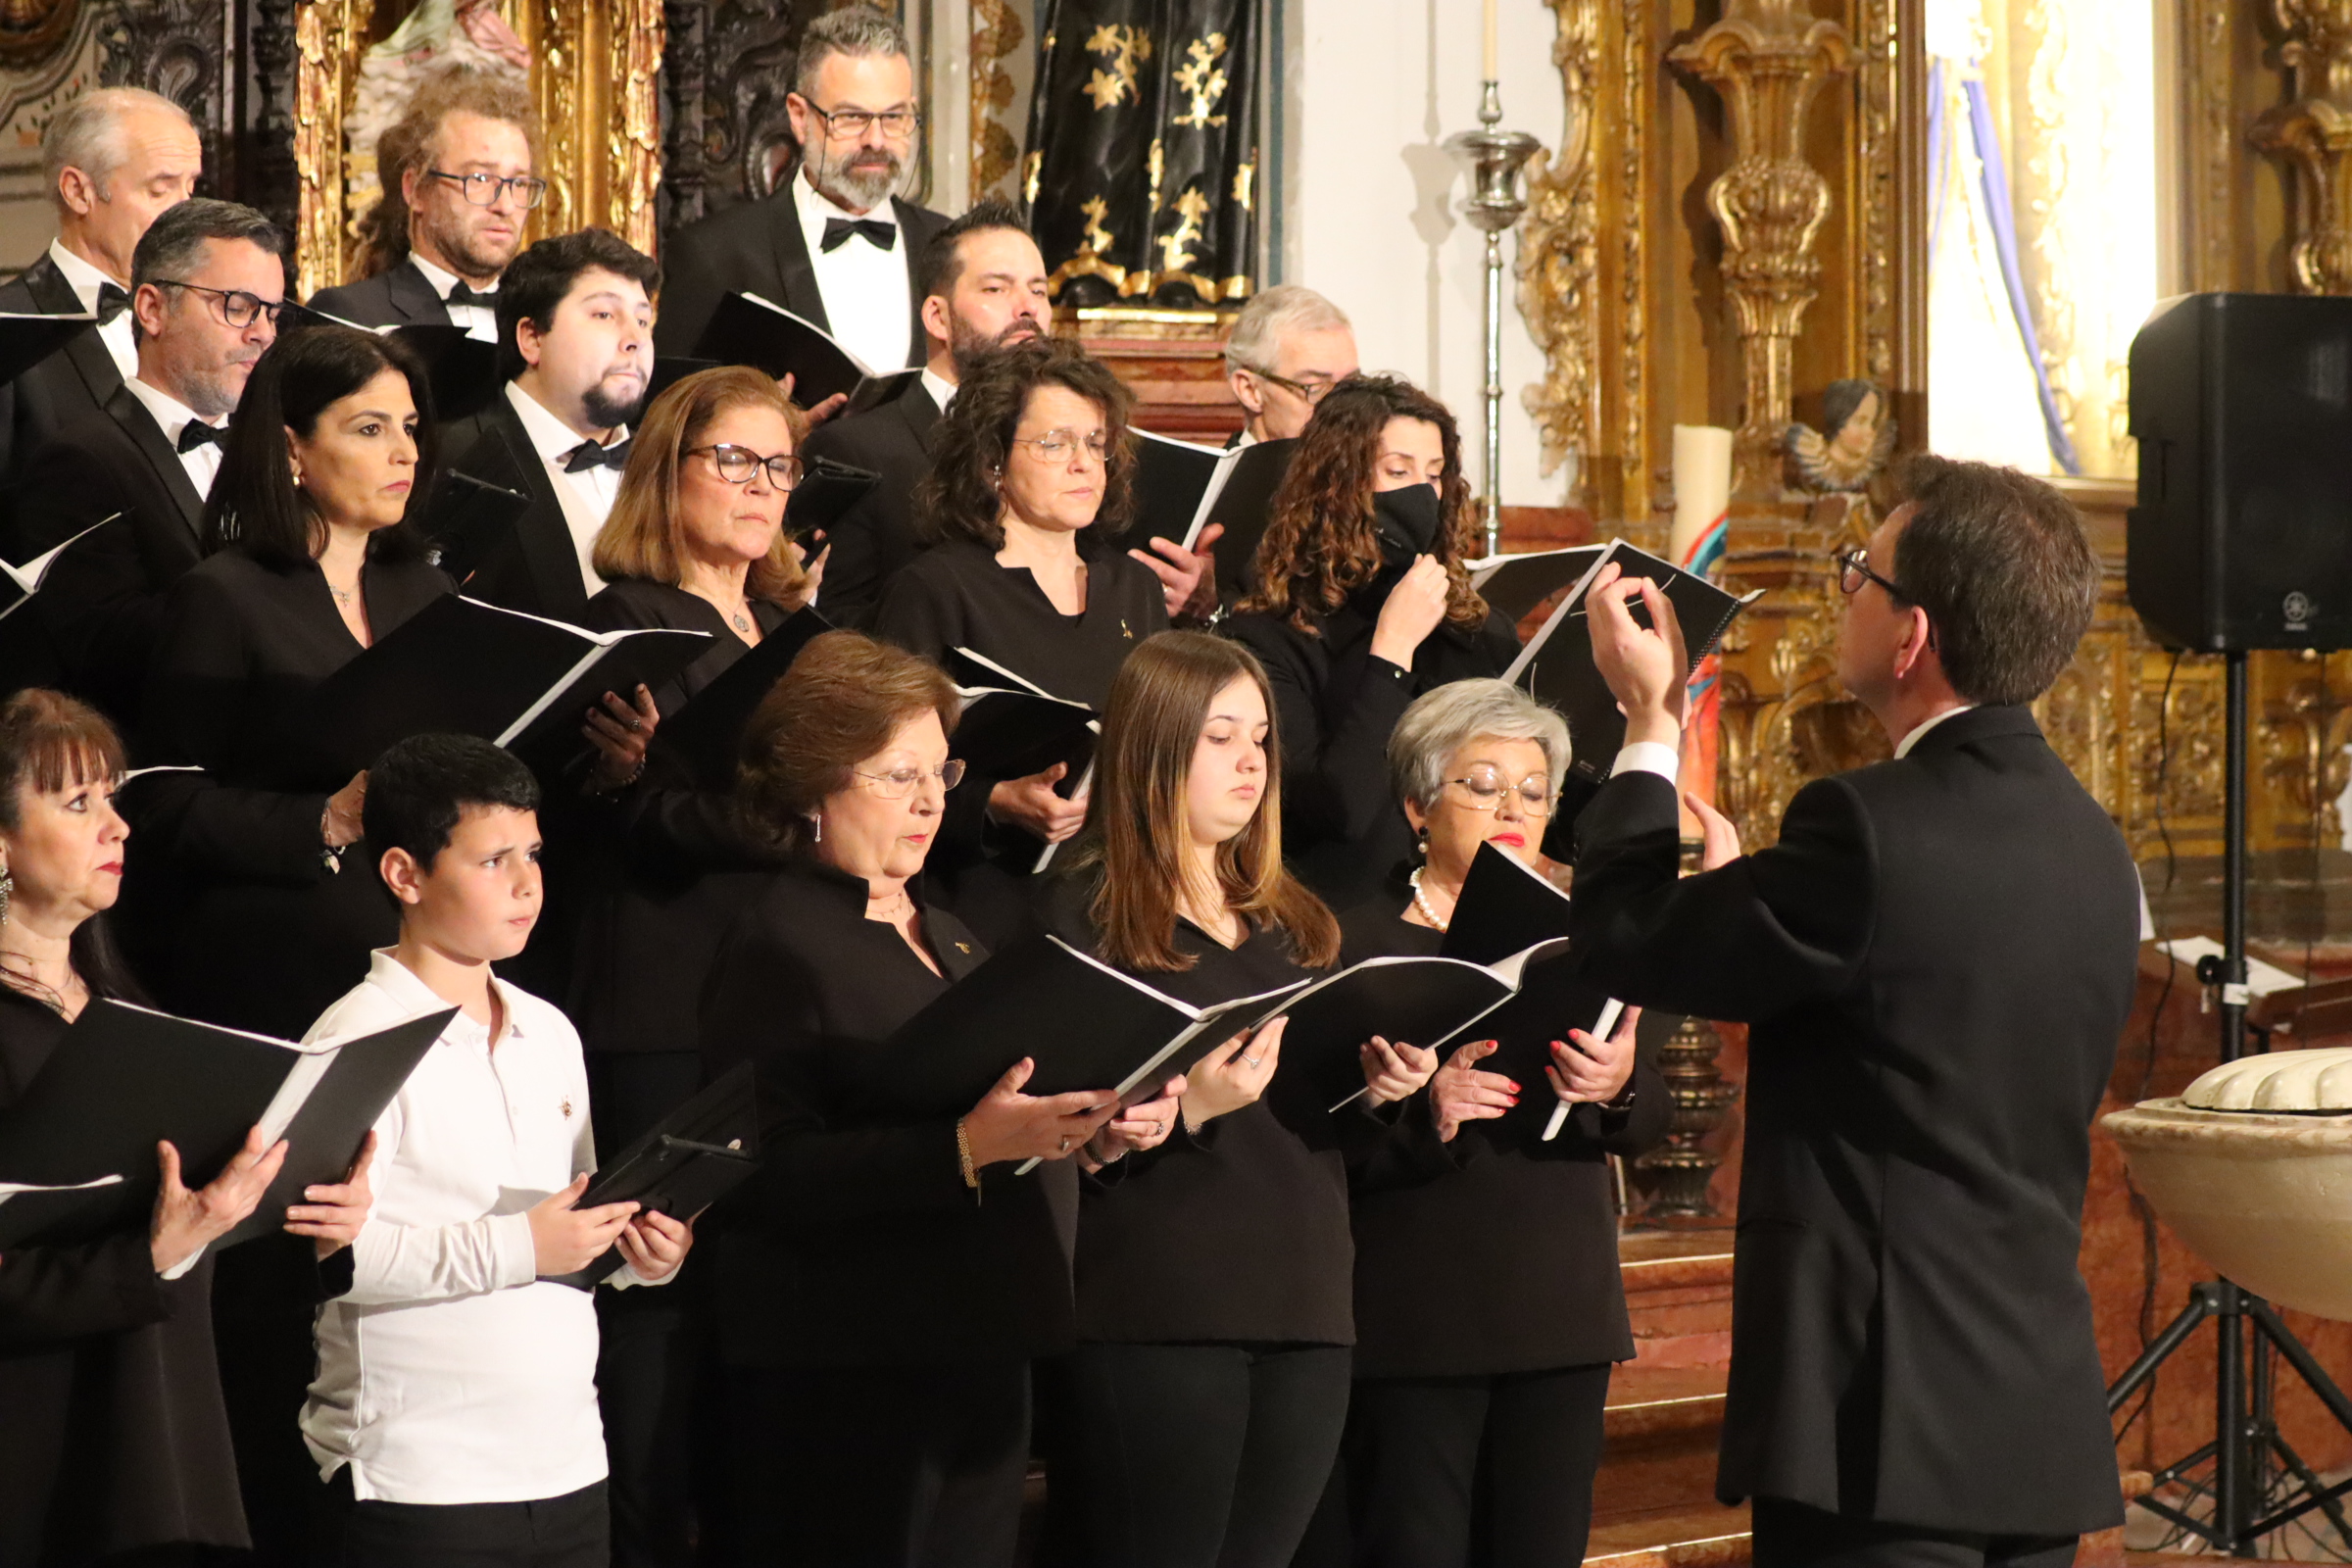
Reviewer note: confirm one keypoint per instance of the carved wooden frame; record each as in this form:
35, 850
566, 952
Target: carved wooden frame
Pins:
597, 81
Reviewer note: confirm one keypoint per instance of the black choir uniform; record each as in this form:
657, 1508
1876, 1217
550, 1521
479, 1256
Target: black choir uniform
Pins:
1488, 1311
1335, 704
537, 570
877, 1318
666, 875
399, 296
103, 602
1935, 960
876, 537
758, 248
70, 385
1199, 1416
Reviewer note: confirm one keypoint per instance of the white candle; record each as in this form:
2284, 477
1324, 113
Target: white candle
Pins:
1489, 55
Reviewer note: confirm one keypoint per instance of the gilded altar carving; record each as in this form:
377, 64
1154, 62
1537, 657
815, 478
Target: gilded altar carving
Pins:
1559, 259
2313, 133
997, 31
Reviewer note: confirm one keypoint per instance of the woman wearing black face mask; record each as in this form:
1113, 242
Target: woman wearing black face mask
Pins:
1362, 605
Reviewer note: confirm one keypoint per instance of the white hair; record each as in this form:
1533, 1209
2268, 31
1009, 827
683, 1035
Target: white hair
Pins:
87, 135
1271, 316
856, 31
1441, 722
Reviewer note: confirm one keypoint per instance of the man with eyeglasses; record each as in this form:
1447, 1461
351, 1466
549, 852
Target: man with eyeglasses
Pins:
467, 185
1289, 345
1935, 960
207, 284
833, 245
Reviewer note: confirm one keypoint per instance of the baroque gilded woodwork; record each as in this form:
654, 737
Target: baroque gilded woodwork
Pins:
2313, 133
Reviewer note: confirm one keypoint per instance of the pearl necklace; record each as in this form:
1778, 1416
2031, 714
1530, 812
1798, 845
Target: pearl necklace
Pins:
1422, 904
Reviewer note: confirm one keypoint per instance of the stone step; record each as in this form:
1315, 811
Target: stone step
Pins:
1710, 1536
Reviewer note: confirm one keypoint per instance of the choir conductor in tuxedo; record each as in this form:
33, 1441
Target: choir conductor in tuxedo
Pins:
833, 246
1936, 960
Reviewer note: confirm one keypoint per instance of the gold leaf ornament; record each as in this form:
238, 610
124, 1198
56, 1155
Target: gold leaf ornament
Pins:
1123, 49
1203, 81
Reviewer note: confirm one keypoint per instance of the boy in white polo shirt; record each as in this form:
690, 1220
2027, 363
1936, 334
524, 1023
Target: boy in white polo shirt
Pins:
456, 1382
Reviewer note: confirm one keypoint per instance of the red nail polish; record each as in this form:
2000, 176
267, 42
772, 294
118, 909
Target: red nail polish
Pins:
1514, 1083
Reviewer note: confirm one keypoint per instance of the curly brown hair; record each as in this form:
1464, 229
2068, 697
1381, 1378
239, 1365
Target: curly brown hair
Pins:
844, 698
958, 497
1320, 545
406, 143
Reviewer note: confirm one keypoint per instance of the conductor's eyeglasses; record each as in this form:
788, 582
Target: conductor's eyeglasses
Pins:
1484, 786
236, 308
484, 190
737, 465
900, 782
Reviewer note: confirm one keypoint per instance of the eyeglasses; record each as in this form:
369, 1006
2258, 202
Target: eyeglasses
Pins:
484, 190
900, 782
1853, 571
1486, 787
1057, 446
736, 464
1308, 392
237, 308
851, 124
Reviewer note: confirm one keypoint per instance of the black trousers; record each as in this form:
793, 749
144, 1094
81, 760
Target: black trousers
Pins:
878, 1467
1792, 1535
565, 1532
1493, 1471
1189, 1455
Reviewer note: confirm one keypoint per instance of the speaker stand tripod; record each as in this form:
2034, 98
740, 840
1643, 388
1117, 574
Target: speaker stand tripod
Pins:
2246, 1441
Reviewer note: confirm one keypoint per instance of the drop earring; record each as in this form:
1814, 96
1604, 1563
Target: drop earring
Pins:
8, 885
816, 829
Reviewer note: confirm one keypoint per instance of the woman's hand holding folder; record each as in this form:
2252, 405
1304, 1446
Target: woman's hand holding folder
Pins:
1233, 1075
1587, 1070
1395, 1072
1144, 1124
1008, 1125
1462, 1091
187, 1222
620, 732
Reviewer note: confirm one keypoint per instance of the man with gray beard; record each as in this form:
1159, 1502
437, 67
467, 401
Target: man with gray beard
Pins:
833, 245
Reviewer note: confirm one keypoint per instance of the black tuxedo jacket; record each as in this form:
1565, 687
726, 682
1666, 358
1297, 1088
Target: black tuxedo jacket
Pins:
400, 297
103, 598
538, 572
70, 385
1937, 959
757, 248
875, 537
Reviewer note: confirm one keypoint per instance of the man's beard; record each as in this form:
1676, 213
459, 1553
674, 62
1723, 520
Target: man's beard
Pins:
610, 413
967, 345
861, 189
472, 258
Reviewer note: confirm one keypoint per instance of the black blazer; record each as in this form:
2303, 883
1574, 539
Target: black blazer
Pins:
538, 572
103, 600
70, 385
875, 537
116, 1438
242, 922
1333, 707
1935, 960
757, 248
1502, 1257
397, 297
858, 1243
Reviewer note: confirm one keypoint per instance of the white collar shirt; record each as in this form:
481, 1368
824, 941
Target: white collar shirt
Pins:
942, 390
119, 334
1902, 748
478, 320
869, 304
202, 462
586, 496
450, 1373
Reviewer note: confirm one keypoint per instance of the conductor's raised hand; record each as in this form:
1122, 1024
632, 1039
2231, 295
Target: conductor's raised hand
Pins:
332, 1213
654, 1244
1461, 1091
565, 1238
1144, 1124
620, 732
1032, 802
1395, 1072
1586, 1069
1233, 1075
1008, 1125
187, 1222
1644, 665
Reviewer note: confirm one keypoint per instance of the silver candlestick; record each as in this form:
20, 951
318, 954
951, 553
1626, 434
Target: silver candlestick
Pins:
1496, 157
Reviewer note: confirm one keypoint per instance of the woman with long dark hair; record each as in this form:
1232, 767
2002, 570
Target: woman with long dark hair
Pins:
1362, 604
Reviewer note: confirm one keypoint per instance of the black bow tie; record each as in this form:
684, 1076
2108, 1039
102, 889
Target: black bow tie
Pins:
111, 302
588, 455
196, 433
462, 293
882, 236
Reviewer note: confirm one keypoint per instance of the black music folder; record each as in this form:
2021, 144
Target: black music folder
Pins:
1505, 907
20, 583
1515, 585
124, 1078
462, 369
1556, 663
1177, 485
28, 337
461, 666
668, 372
747, 329
468, 521
707, 732
685, 1163
1244, 507
827, 489
1012, 727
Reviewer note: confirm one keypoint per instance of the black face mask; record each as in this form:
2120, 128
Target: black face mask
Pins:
1406, 521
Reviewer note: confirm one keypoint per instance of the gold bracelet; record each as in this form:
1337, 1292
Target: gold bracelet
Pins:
963, 1155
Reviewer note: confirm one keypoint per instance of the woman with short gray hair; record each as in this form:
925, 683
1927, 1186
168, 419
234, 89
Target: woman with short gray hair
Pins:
1488, 1303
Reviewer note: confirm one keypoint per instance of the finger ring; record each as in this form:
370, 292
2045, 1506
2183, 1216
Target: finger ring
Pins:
1251, 1061
636, 724
1066, 1144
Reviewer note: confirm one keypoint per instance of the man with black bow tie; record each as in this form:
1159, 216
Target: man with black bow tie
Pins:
208, 283
464, 154
833, 245
576, 344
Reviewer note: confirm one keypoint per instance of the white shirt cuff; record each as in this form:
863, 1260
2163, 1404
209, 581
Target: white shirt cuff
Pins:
517, 1254
179, 1270
1649, 756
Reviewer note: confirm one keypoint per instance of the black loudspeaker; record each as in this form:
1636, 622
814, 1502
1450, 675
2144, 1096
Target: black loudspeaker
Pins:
2242, 408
